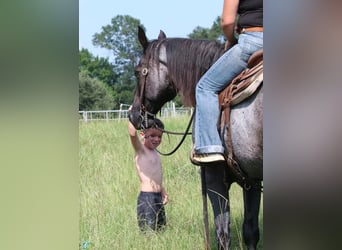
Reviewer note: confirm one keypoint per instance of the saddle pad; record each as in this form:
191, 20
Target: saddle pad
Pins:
256, 80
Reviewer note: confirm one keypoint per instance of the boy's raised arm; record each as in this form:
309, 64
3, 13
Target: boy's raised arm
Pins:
136, 143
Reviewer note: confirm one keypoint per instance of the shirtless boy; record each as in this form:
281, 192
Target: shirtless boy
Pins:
152, 196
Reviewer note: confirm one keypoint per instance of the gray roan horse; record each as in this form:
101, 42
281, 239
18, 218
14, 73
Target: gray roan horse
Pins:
174, 65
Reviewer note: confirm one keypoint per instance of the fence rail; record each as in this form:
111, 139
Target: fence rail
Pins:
111, 115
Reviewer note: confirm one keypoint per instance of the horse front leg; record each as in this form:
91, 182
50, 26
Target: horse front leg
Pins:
250, 228
217, 189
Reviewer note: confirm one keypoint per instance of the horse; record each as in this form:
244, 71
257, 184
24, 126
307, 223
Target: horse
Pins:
171, 66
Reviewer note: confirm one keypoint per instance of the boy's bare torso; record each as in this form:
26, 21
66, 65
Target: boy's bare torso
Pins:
149, 170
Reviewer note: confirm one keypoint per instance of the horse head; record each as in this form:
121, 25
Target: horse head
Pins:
154, 87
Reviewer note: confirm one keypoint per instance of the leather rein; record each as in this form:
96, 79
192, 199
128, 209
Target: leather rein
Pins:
176, 133
145, 115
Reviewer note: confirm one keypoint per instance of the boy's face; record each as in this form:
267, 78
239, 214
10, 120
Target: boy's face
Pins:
152, 137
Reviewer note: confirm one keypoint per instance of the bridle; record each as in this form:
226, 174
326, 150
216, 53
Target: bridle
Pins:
145, 115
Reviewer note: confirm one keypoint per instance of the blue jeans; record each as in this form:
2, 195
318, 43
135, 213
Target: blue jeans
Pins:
220, 74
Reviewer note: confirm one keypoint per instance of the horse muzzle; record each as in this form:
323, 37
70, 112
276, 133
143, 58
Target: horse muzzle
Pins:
135, 118
140, 118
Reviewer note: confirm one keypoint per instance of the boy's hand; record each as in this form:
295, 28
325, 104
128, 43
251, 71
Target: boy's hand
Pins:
131, 129
165, 198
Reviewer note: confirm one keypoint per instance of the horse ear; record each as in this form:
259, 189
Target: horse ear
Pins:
142, 37
161, 35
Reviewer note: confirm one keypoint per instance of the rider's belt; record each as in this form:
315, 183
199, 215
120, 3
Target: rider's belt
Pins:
252, 29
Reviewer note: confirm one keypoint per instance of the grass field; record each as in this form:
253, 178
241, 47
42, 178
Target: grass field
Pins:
109, 187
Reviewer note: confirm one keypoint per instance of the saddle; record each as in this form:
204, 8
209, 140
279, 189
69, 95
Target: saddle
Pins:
246, 83
241, 87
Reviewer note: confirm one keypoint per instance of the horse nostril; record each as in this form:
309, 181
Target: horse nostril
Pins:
135, 120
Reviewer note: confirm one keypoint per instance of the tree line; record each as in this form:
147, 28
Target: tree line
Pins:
104, 83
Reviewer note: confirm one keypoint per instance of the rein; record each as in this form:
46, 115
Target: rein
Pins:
176, 133
145, 115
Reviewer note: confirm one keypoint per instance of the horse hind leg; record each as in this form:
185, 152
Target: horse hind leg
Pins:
250, 228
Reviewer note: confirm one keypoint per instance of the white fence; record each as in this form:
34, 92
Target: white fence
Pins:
110, 115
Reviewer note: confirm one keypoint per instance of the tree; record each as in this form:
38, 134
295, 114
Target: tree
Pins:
213, 33
94, 94
121, 38
97, 67
123, 93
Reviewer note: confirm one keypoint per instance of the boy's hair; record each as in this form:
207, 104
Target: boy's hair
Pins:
154, 123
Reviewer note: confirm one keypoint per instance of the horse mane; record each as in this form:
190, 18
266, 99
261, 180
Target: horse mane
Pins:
187, 61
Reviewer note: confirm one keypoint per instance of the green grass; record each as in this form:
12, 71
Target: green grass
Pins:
109, 187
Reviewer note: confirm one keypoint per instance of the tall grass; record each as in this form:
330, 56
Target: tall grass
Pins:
109, 187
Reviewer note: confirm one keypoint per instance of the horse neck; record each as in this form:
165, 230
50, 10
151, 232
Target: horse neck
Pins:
188, 60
